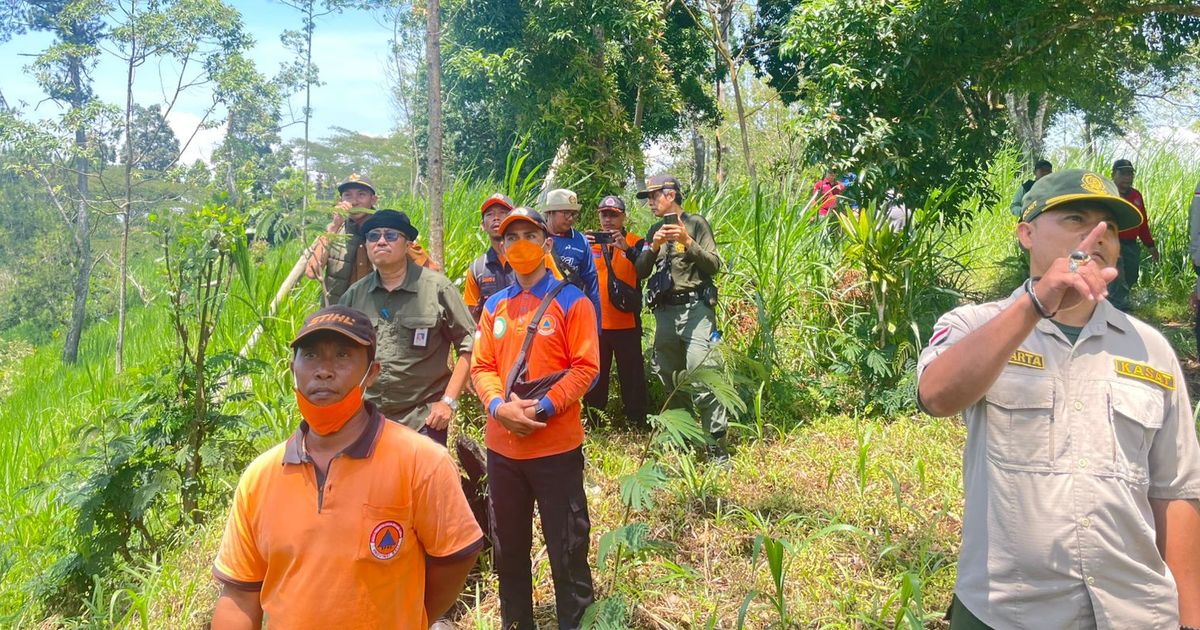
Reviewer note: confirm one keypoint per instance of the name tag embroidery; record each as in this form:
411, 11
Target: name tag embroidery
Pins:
1028, 359
1141, 371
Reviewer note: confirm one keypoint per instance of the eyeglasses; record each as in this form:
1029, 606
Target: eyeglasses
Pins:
387, 234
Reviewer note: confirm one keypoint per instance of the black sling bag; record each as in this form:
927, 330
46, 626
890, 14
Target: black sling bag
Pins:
517, 377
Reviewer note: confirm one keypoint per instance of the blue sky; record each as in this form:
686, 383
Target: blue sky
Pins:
356, 100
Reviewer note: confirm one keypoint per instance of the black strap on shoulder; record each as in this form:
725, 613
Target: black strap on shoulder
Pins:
520, 366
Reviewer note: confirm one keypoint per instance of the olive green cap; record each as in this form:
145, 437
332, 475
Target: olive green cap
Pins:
1062, 187
560, 199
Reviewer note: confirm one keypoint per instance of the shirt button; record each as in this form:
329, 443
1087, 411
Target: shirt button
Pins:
1085, 522
1078, 405
1091, 580
1083, 463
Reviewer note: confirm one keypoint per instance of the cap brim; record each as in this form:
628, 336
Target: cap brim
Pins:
560, 207
342, 187
341, 331
511, 219
642, 194
493, 202
1127, 215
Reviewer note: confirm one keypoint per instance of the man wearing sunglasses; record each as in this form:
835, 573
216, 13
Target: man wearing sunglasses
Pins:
418, 315
572, 252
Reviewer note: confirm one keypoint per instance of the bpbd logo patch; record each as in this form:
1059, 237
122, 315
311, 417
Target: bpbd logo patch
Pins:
546, 327
386, 539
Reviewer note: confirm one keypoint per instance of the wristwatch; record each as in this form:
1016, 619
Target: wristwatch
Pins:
450, 402
542, 412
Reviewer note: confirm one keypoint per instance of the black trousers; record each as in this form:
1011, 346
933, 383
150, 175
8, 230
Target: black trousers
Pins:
626, 346
556, 483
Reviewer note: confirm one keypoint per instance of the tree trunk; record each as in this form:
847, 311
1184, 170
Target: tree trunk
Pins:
1027, 116
639, 162
82, 236
698, 158
119, 358
433, 58
308, 35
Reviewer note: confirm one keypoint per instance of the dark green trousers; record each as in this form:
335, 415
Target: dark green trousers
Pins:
962, 619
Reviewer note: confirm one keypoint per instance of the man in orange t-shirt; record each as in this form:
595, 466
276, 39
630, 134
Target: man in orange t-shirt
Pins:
354, 522
620, 330
534, 432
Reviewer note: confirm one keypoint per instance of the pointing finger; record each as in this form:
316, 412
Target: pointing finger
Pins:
1093, 237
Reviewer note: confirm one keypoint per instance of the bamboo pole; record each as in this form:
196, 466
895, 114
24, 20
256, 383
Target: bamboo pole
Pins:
284, 289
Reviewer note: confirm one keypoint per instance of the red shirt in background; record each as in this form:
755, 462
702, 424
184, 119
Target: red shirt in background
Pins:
1142, 231
827, 193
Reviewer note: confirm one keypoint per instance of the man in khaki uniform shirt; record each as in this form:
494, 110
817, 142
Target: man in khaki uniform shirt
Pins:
418, 316
1081, 468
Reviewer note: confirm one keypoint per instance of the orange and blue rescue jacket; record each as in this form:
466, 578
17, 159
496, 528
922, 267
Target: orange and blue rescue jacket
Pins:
566, 340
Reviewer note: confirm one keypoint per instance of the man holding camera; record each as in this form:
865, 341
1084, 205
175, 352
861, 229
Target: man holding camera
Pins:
535, 357
680, 261
615, 250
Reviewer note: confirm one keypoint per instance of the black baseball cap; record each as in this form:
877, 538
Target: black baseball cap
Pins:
348, 322
391, 219
661, 182
1122, 164
611, 202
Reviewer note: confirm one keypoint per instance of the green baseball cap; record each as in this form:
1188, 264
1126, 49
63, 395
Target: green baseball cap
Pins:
1062, 187
356, 180
660, 182
560, 199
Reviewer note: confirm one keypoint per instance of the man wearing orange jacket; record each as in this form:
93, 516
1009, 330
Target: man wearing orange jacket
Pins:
535, 357
615, 250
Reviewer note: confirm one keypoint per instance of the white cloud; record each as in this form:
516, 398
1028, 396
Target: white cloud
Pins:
204, 142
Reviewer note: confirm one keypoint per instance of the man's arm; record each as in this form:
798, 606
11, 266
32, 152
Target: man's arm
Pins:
444, 582
647, 257
584, 347
1017, 202
702, 249
1177, 533
238, 609
961, 375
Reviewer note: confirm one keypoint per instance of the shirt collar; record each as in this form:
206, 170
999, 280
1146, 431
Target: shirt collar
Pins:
543, 286
410, 279
362, 447
1104, 316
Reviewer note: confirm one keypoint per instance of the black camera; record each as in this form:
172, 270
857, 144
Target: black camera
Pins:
601, 238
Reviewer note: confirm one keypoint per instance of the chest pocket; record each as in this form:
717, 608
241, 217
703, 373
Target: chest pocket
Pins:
1021, 431
1135, 416
417, 332
386, 537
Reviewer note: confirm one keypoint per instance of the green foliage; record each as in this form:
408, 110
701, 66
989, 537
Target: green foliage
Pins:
945, 67
570, 73
128, 484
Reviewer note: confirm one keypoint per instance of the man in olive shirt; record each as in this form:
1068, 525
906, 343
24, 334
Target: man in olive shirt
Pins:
681, 260
419, 316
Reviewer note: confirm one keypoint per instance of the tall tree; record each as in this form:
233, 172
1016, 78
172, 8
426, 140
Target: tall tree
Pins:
305, 72
433, 61
596, 80
189, 33
64, 71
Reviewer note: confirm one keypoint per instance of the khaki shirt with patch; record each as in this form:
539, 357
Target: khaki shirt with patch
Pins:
1063, 453
416, 324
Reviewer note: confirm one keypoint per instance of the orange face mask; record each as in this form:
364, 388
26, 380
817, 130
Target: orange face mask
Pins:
524, 256
329, 419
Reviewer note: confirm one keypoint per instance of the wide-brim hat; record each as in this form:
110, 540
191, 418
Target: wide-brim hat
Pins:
524, 214
560, 199
1062, 187
355, 179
